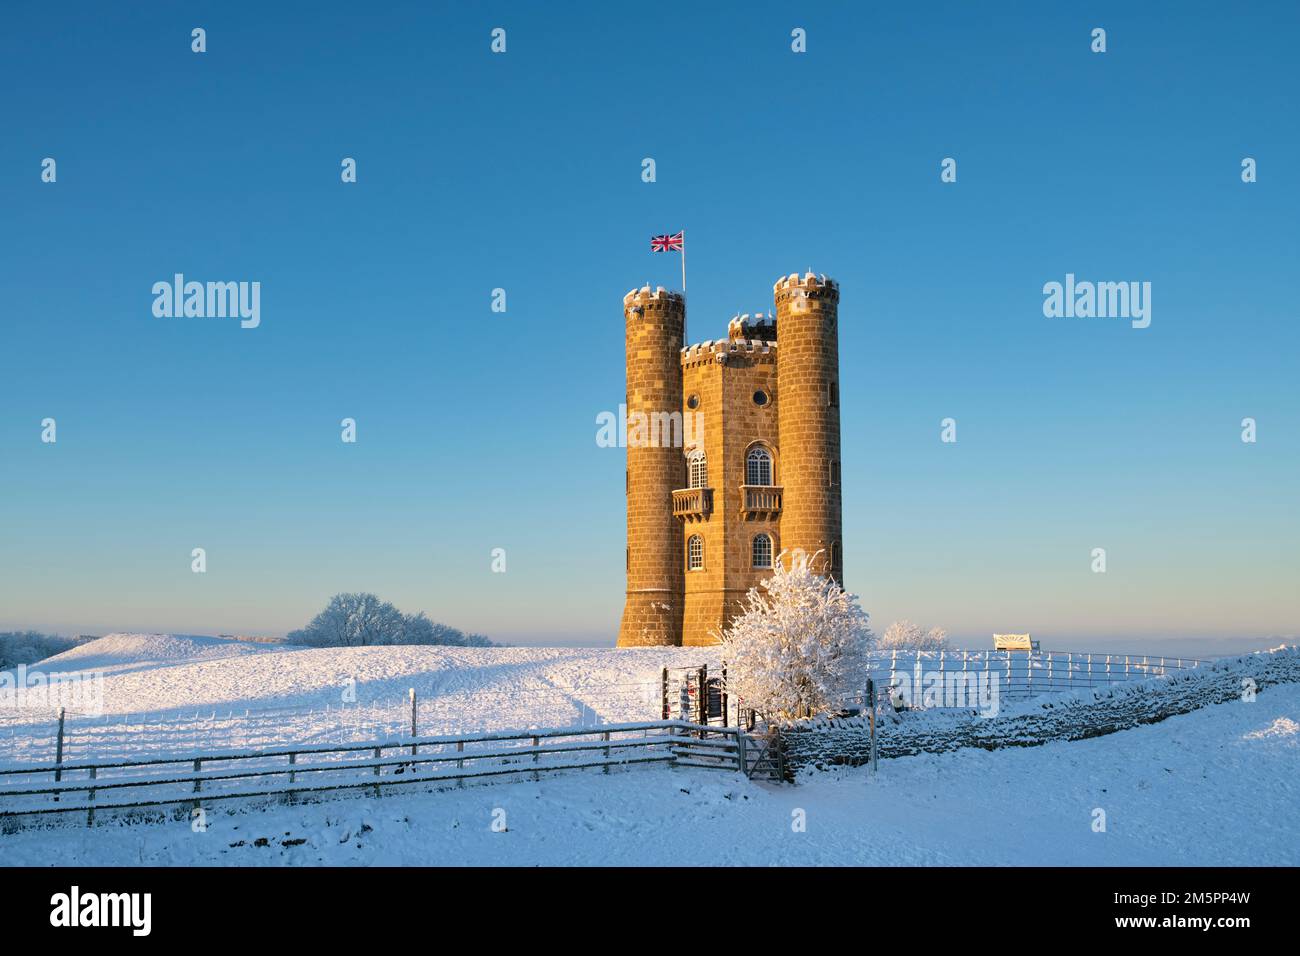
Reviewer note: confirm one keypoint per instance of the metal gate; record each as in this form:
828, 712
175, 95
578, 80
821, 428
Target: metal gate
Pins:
690, 693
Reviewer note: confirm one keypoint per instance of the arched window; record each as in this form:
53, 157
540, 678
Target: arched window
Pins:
695, 553
758, 467
762, 549
697, 467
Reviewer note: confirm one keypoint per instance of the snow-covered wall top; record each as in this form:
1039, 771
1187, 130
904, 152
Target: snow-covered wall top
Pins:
821, 742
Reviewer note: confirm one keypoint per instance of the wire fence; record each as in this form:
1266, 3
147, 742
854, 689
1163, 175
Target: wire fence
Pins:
1018, 675
27, 738
695, 694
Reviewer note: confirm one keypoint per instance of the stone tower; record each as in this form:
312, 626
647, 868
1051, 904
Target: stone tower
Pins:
754, 469
808, 370
655, 323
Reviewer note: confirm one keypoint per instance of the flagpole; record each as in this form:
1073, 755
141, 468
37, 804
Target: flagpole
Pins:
683, 262
684, 336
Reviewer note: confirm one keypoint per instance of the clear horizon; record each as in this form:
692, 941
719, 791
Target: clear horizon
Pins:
477, 430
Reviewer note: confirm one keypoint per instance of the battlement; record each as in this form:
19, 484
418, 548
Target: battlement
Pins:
805, 287
743, 327
806, 281
721, 350
656, 300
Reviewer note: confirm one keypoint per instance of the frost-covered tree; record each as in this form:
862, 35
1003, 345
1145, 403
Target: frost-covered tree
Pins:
28, 647
418, 629
352, 620
362, 620
800, 644
904, 635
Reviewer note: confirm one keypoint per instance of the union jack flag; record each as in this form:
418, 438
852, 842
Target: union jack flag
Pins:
668, 243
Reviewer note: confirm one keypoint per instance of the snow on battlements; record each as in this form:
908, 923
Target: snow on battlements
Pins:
807, 281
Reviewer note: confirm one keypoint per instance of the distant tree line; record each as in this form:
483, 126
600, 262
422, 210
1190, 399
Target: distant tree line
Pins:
362, 620
28, 647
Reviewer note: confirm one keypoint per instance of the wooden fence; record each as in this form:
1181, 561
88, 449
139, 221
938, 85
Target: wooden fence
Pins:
291, 773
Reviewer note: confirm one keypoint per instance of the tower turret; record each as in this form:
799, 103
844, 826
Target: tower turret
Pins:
807, 365
655, 322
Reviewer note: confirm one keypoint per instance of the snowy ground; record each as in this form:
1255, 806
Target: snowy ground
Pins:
1217, 786
166, 694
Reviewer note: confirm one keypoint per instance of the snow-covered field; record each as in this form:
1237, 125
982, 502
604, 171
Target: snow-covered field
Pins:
1217, 786
165, 694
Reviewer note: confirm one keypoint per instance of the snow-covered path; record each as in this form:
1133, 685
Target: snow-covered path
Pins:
1217, 786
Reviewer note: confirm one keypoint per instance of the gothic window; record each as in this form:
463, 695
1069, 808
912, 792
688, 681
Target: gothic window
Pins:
758, 467
698, 469
695, 553
762, 551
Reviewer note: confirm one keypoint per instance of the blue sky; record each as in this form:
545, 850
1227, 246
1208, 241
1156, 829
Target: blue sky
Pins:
476, 430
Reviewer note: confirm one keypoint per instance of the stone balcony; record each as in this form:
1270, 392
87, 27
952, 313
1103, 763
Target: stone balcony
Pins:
760, 501
693, 504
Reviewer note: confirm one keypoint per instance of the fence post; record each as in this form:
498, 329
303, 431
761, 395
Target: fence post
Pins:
725, 708
702, 696
684, 707
198, 768
293, 759
741, 757
663, 694
460, 764
378, 769
536, 743
90, 814
415, 748
58, 754
871, 693
605, 735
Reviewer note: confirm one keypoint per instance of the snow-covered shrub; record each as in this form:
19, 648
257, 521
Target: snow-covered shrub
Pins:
362, 620
800, 644
904, 635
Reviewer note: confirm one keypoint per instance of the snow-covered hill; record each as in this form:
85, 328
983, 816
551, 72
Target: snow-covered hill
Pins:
169, 694
118, 651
